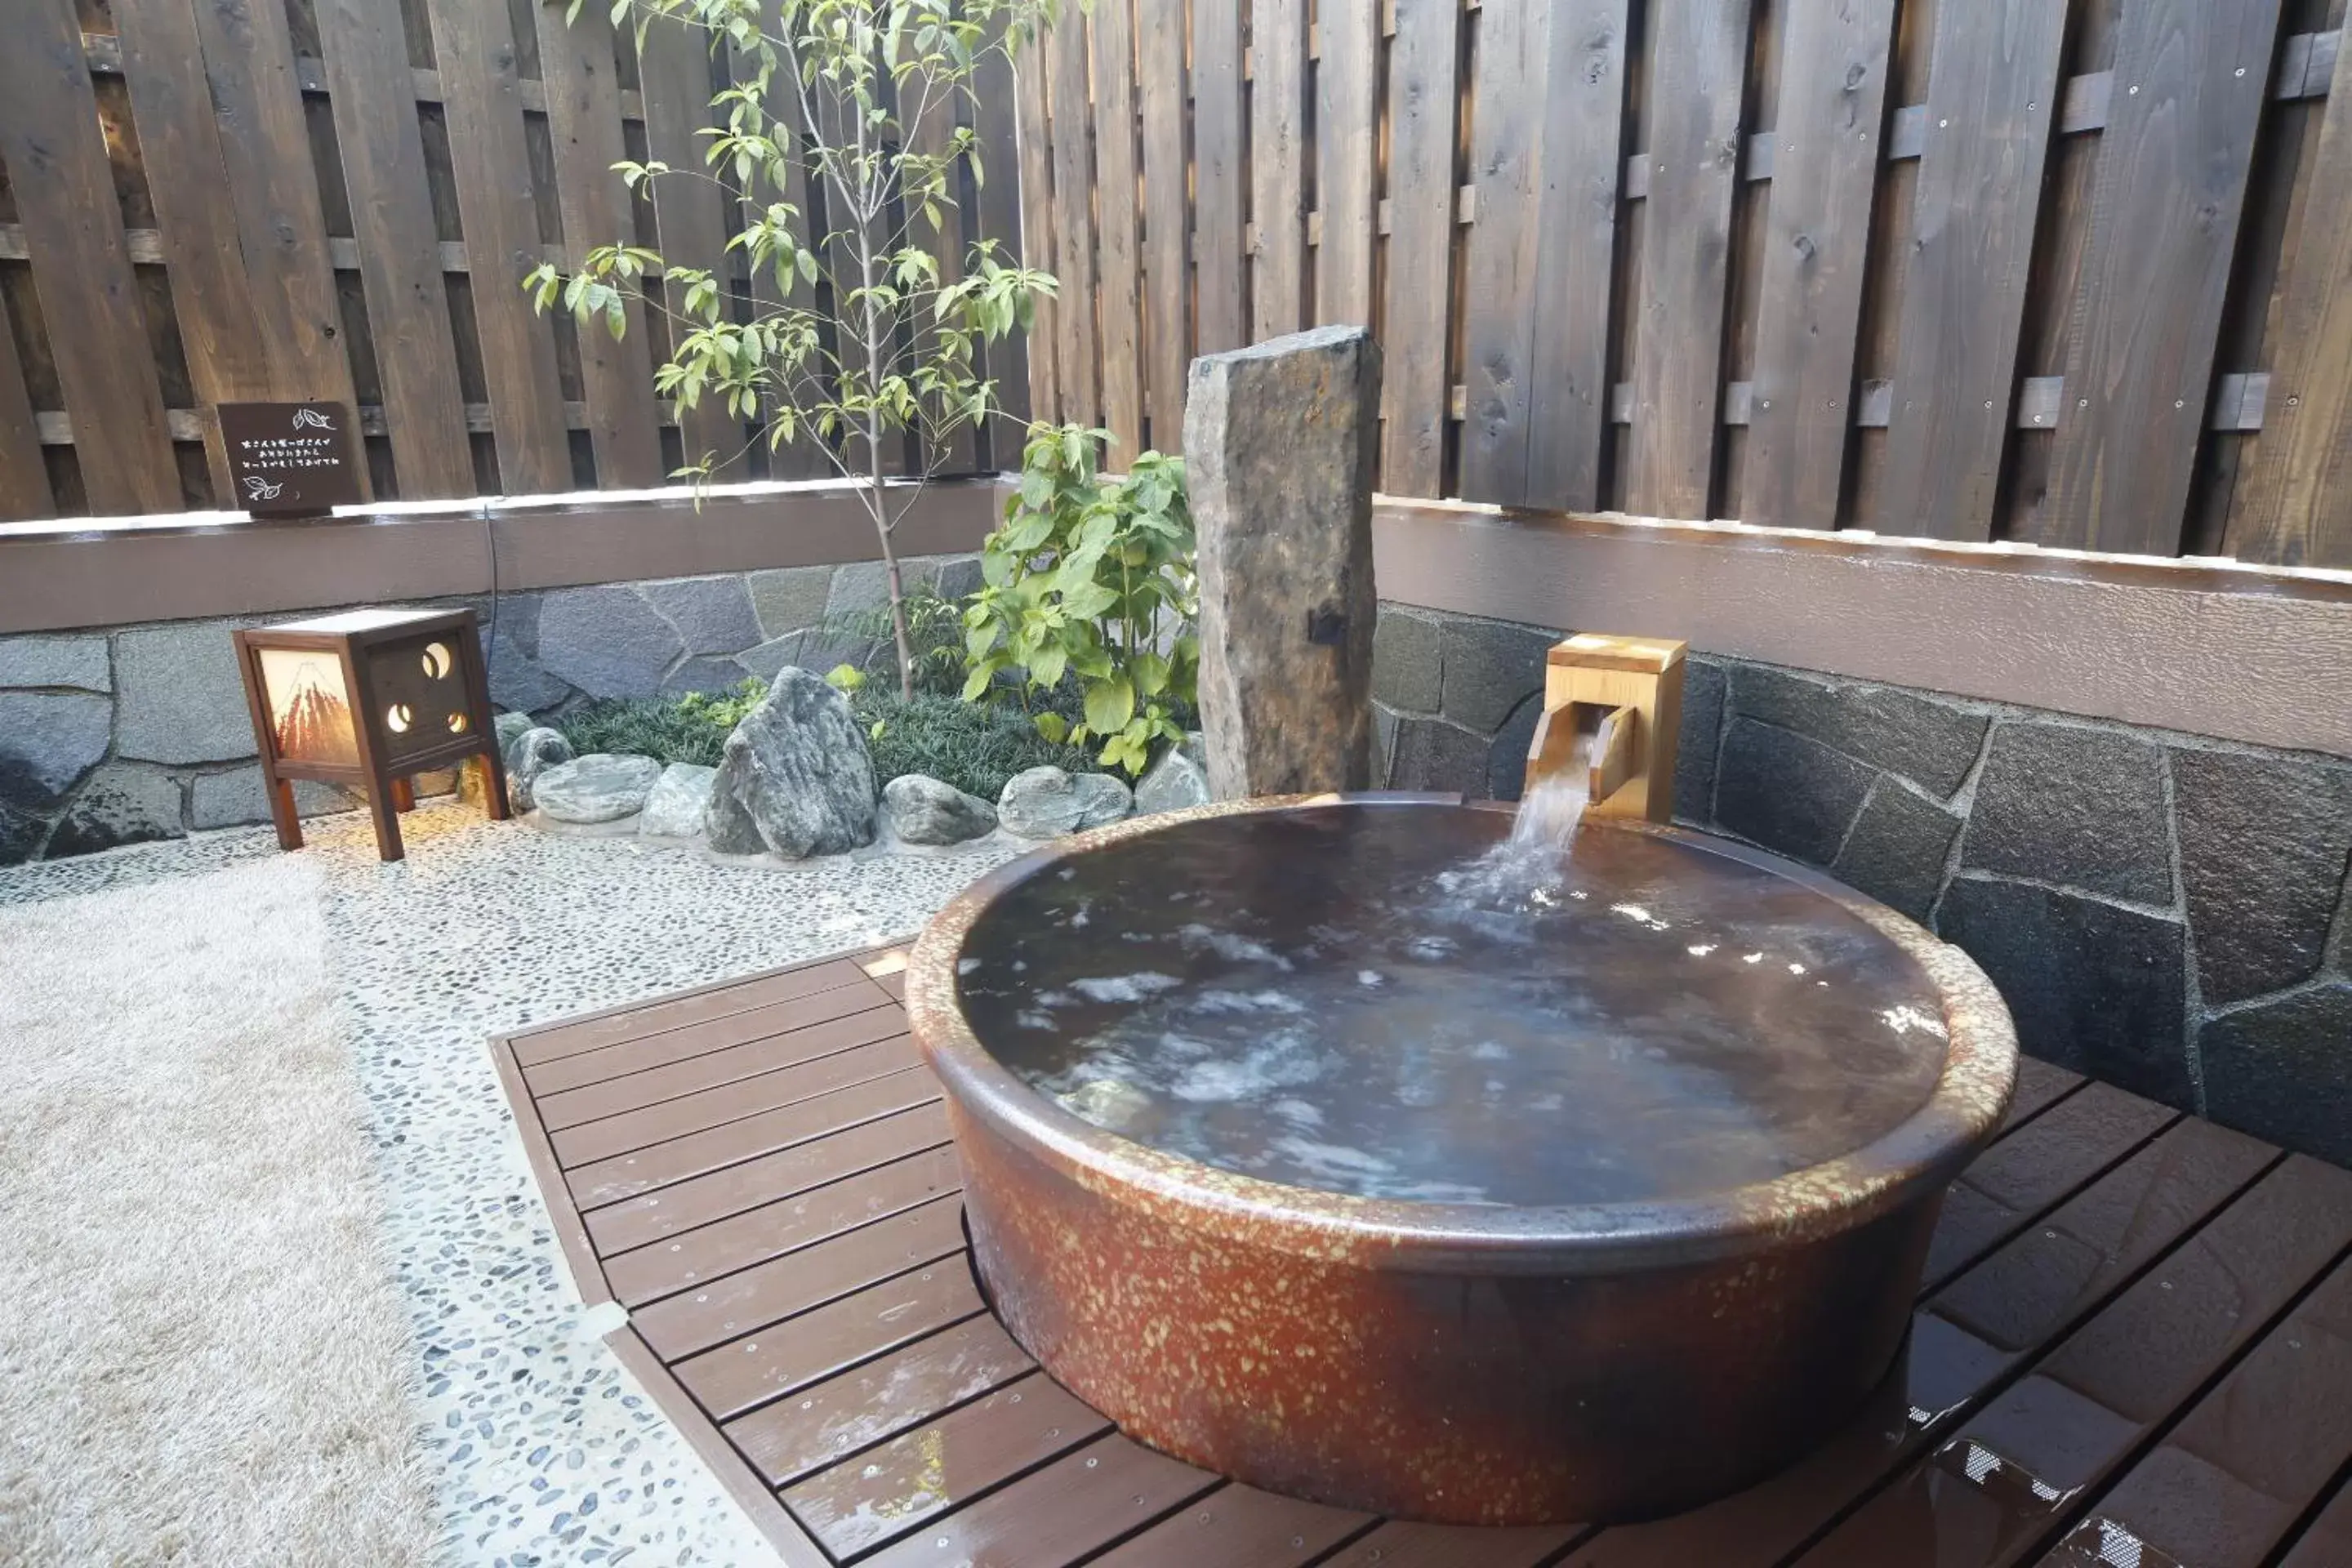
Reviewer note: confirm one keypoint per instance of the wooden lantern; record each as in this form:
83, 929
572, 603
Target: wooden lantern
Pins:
368, 699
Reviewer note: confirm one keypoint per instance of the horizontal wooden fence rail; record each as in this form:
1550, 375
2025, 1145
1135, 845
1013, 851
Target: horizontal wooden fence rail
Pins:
206, 202
2071, 273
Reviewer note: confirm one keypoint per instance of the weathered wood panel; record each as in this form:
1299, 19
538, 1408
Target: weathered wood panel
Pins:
2297, 508
1167, 220
1079, 371
584, 116
1119, 300
1220, 180
1413, 387
382, 158
2193, 76
1826, 136
997, 173
930, 126
1037, 247
1698, 77
24, 478
491, 162
1278, 154
1547, 154
57, 161
1346, 158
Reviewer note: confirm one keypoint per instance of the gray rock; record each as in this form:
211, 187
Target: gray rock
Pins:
1407, 660
1172, 783
1507, 753
712, 615
2263, 844
529, 754
2083, 808
517, 680
2277, 1070
925, 810
602, 786
958, 576
182, 699
120, 805
1899, 848
1490, 669
790, 598
1928, 742
21, 834
508, 726
1047, 803
797, 780
1788, 792
702, 673
1432, 754
675, 806
606, 640
2092, 987
49, 743
75, 661
239, 796
863, 586
1702, 737
1384, 736
770, 657
1278, 446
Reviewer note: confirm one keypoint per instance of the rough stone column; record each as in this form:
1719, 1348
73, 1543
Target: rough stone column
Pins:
1279, 447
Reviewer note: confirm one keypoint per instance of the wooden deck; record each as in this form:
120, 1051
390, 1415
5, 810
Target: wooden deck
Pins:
2133, 1348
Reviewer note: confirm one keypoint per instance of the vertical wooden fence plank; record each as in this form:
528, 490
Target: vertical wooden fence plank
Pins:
273, 190
1346, 153
1696, 81
55, 156
1074, 223
1119, 304
1422, 102
1166, 219
1546, 127
2190, 79
1219, 180
374, 92
24, 477
804, 456
933, 134
1826, 135
583, 113
1992, 100
481, 93
689, 211
179, 146
2296, 509
1038, 248
1277, 102
997, 165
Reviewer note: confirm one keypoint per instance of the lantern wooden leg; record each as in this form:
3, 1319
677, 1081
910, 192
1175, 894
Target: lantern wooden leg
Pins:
494, 787
404, 795
386, 818
281, 814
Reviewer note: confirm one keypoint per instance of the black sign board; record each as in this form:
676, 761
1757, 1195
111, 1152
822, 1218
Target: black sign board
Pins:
290, 460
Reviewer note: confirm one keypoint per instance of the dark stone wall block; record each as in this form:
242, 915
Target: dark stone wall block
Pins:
1491, 666
2093, 987
2263, 844
1932, 743
1433, 755
2084, 808
1407, 660
1897, 850
1703, 697
2283, 1070
1788, 793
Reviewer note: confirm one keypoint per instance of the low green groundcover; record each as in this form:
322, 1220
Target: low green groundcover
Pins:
975, 746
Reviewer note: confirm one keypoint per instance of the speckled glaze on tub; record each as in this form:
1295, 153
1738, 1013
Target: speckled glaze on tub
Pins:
1488, 1360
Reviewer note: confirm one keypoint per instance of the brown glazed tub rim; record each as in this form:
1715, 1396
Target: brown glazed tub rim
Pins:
1912, 1160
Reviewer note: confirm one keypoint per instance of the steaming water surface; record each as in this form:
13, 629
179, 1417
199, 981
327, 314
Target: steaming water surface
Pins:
1391, 1001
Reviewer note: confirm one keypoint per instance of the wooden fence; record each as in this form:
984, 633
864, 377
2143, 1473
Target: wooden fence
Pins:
2076, 274
209, 201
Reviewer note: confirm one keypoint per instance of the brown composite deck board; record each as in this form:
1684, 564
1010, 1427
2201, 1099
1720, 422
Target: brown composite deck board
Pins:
677, 1098
2148, 1315
673, 1045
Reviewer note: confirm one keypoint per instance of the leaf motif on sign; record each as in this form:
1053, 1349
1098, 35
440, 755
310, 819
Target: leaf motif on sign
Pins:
311, 419
259, 489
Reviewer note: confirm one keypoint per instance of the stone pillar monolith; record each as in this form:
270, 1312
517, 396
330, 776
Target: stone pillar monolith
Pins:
1278, 448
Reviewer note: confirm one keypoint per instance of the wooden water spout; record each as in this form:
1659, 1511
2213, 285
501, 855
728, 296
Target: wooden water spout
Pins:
1617, 701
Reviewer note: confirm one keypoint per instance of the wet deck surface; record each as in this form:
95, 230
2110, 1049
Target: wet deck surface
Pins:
2134, 1347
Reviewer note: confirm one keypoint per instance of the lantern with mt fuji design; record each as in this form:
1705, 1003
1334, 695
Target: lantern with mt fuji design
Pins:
369, 699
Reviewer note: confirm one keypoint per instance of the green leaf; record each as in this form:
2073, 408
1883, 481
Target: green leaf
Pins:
1053, 727
1109, 704
1046, 668
1151, 673
845, 678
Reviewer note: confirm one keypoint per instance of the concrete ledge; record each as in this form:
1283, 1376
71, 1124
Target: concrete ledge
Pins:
75, 574
2258, 654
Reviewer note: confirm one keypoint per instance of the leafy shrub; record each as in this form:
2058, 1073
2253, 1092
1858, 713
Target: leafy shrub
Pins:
975, 746
1091, 580
934, 638
689, 728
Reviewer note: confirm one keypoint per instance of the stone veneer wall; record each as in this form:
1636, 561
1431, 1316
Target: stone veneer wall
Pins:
2165, 911
123, 734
